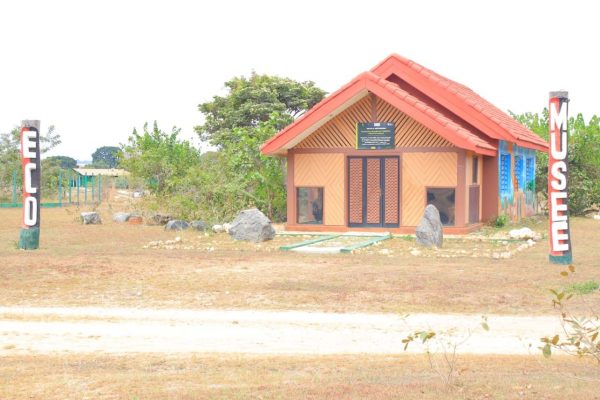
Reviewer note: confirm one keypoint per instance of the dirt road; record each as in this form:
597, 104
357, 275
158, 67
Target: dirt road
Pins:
121, 330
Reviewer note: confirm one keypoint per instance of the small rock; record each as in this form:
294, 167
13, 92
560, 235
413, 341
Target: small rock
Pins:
415, 252
135, 220
597, 217
384, 251
495, 256
523, 233
226, 227
218, 228
530, 242
90, 218
198, 225
120, 217
176, 225
505, 254
178, 239
159, 219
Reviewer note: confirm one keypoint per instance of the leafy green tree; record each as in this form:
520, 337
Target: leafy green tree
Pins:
252, 100
64, 162
261, 179
253, 110
105, 157
160, 158
584, 158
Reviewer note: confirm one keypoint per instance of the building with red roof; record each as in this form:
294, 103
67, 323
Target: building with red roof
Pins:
373, 154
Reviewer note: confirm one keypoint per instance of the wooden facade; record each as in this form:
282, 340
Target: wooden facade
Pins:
422, 159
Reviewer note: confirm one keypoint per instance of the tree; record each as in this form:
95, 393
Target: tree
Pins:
159, 158
250, 101
106, 157
64, 162
584, 158
238, 123
261, 179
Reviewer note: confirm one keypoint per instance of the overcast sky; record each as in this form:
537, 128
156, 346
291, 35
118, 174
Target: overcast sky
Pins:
97, 69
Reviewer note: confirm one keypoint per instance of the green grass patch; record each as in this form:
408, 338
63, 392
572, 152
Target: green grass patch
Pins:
581, 288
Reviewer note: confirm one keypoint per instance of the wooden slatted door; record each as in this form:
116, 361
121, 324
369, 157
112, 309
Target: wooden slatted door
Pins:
373, 191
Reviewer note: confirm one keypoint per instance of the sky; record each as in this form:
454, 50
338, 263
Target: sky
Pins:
95, 70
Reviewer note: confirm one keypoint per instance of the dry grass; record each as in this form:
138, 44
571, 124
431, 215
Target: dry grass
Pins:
333, 377
107, 265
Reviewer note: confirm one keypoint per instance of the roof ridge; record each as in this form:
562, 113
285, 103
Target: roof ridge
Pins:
469, 98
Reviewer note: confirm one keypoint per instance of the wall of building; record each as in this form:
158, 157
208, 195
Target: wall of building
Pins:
419, 171
326, 171
469, 181
516, 180
427, 160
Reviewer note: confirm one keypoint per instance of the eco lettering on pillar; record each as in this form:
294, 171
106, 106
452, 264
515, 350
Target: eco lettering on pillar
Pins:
29, 237
558, 163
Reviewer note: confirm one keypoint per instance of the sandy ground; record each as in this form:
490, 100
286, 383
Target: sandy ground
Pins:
40, 330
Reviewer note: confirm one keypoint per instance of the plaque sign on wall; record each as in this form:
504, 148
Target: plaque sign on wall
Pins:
375, 135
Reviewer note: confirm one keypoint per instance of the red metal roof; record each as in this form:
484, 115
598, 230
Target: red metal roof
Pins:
448, 108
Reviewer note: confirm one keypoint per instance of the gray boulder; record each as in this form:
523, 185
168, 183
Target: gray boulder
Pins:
176, 225
198, 225
429, 230
121, 217
90, 218
251, 225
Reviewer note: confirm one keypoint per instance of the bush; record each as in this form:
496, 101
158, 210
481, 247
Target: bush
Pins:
500, 221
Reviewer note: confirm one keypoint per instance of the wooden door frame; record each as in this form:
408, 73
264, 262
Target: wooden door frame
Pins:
364, 158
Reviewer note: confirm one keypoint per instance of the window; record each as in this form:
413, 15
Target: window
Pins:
310, 205
443, 200
519, 171
530, 173
505, 181
475, 177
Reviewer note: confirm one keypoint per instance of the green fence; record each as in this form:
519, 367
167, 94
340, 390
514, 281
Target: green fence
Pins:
59, 188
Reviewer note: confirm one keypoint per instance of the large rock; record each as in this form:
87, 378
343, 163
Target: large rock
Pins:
121, 217
251, 225
429, 230
198, 225
176, 225
90, 218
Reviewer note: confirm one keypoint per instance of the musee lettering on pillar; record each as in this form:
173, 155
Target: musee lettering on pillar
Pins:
560, 244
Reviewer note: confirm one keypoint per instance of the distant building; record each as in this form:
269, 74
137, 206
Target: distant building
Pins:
89, 176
